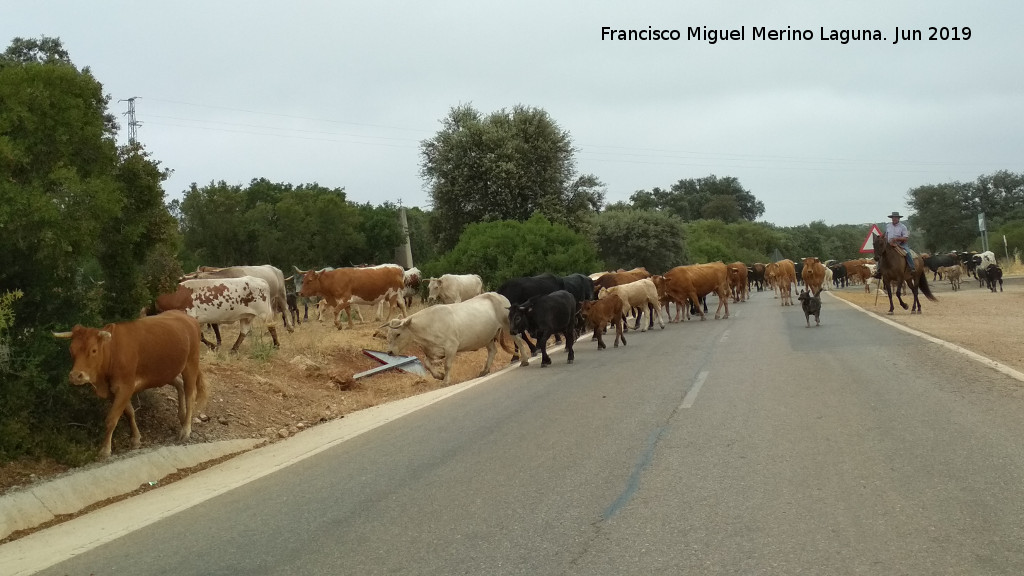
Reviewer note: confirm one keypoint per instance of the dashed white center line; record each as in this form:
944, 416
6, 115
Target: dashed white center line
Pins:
691, 396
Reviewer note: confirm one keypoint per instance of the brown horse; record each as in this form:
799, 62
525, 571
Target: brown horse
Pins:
894, 268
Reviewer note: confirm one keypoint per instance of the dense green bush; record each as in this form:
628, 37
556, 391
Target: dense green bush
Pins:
498, 251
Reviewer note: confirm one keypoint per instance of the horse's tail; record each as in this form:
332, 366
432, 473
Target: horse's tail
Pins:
923, 285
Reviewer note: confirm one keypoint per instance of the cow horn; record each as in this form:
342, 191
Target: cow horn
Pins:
105, 335
62, 334
289, 278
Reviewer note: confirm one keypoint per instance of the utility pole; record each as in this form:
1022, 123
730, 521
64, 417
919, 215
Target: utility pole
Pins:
133, 124
403, 252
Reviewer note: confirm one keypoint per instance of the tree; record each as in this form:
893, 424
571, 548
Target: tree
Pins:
749, 242
138, 238
381, 232
79, 221
630, 238
498, 251
273, 223
942, 219
505, 166
708, 198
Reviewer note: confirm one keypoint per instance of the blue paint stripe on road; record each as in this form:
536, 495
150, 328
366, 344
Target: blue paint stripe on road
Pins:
633, 484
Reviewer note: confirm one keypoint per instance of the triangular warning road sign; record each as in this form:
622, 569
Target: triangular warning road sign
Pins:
869, 245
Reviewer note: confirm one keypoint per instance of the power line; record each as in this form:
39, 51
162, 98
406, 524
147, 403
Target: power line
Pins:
590, 152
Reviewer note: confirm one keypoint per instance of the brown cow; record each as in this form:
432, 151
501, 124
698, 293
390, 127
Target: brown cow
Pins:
339, 286
738, 283
707, 279
599, 313
854, 268
128, 357
621, 277
786, 281
813, 275
696, 281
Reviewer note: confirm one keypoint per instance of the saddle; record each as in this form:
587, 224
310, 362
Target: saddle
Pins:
903, 252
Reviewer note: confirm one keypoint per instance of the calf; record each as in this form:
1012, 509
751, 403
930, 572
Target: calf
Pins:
544, 316
951, 273
293, 307
597, 314
642, 294
519, 290
993, 274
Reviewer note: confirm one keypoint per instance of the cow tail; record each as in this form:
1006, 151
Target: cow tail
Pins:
503, 339
202, 392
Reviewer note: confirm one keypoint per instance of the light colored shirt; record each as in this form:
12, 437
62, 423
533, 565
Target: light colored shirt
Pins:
896, 231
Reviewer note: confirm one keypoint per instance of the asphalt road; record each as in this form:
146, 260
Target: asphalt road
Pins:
751, 445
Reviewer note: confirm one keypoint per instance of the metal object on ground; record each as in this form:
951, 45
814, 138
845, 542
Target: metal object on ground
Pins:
408, 364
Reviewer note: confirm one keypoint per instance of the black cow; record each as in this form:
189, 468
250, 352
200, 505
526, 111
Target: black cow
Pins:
990, 275
966, 260
293, 306
519, 290
581, 287
756, 275
543, 316
936, 261
839, 276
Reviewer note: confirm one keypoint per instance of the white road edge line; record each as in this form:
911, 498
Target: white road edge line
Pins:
1016, 375
691, 396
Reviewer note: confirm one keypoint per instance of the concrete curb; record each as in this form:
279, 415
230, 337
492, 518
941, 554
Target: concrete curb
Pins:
36, 504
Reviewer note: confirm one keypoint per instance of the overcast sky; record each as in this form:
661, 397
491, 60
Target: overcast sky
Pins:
342, 93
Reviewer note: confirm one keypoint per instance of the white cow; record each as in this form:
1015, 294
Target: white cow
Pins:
638, 294
223, 301
983, 260
452, 288
446, 329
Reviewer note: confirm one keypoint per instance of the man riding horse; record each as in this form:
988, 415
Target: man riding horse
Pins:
892, 269
896, 234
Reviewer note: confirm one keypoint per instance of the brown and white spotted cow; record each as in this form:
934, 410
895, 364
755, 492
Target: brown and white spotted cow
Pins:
224, 301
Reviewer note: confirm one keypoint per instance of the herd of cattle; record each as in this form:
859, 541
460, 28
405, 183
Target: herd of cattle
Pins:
162, 346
